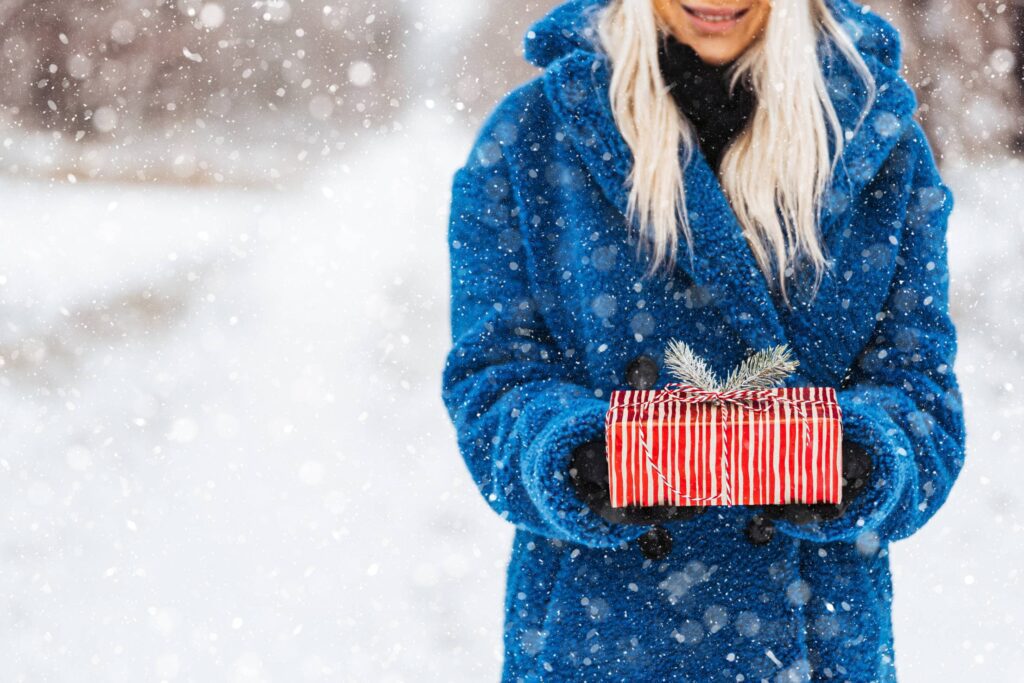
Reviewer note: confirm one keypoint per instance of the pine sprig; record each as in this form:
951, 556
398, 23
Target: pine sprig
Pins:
763, 370
688, 367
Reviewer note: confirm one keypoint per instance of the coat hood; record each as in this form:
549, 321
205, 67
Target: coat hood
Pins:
568, 27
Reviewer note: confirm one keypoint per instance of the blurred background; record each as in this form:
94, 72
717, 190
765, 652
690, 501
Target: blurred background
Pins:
224, 297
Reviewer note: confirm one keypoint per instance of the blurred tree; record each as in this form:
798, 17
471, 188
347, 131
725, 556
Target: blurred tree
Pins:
258, 71
964, 61
1017, 30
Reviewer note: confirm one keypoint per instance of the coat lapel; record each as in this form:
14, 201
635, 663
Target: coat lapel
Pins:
834, 327
577, 85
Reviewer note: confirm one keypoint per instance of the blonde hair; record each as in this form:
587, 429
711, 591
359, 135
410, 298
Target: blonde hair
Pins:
773, 172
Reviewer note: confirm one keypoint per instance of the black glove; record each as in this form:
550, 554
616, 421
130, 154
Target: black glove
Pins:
856, 471
588, 472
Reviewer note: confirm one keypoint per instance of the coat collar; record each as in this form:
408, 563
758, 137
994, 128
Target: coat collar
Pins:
576, 82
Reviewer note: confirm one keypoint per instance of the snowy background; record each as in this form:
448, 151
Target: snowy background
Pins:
223, 453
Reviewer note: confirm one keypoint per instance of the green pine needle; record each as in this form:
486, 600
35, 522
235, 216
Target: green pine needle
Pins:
688, 367
763, 370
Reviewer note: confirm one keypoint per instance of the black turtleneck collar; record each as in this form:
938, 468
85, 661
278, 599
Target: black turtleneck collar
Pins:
700, 89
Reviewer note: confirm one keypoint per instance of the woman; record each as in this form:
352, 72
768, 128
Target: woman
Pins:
818, 222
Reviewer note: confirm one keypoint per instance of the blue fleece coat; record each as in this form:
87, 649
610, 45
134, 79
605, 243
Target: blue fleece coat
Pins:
549, 303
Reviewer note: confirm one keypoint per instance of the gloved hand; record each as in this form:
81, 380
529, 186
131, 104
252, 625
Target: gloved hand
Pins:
588, 472
856, 472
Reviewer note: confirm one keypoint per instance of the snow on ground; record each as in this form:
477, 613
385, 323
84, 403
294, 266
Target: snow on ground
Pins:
223, 454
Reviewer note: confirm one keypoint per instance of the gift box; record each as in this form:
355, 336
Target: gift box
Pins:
738, 442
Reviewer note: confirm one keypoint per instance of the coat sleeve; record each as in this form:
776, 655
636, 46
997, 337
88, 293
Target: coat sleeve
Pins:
517, 408
902, 402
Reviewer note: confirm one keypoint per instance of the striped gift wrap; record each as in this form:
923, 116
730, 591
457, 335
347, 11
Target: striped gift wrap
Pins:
682, 445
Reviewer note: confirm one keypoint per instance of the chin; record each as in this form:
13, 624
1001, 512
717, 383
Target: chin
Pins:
714, 54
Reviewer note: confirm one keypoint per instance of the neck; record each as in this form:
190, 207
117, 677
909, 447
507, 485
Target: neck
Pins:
684, 52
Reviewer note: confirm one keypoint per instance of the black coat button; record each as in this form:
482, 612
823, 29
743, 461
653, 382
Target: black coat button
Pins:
642, 372
760, 530
656, 544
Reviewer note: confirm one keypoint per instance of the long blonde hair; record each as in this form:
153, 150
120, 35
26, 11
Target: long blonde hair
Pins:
773, 172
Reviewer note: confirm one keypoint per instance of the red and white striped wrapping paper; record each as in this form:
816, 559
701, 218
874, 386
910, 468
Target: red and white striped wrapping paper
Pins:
760, 447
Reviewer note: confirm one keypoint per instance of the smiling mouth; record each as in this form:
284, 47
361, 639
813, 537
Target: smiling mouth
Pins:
715, 15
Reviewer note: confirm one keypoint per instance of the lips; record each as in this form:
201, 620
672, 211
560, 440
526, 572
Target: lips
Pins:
715, 14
